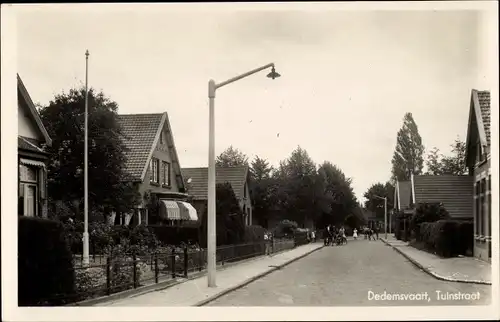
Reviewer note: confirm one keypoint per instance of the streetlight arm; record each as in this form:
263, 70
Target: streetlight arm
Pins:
383, 198
234, 79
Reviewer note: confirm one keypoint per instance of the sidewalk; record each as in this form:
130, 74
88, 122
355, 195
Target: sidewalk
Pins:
458, 269
195, 292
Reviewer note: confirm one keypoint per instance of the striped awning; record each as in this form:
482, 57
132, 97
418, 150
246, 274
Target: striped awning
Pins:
170, 210
188, 212
34, 163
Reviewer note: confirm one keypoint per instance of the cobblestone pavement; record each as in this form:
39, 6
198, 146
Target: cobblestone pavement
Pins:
349, 275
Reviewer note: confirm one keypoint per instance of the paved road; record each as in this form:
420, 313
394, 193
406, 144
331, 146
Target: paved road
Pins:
345, 276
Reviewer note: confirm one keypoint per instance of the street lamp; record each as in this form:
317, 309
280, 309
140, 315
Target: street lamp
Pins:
211, 220
385, 213
86, 259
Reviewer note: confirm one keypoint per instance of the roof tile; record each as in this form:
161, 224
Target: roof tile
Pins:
198, 186
484, 104
139, 131
455, 192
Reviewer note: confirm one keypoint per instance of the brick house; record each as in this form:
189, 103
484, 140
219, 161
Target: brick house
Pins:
32, 157
153, 166
478, 161
237, 176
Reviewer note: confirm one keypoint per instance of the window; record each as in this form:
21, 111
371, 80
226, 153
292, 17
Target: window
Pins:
477, 209
161, 137
165, 174
155, 175
28, 191
245, 191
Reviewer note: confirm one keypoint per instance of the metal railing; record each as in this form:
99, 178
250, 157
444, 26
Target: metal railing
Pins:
107, 274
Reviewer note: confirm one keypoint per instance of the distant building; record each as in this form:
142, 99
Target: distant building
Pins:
238, 177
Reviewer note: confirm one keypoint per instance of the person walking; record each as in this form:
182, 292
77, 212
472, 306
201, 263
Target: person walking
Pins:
376, 231
355, 234
267, 242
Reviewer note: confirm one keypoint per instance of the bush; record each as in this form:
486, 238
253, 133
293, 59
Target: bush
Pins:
168, 235
285, 228
255, 234
447, 238
443, 236
427, 212
300, 237
465, 237
45, 263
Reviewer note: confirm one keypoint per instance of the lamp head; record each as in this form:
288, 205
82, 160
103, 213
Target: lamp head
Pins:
273, 74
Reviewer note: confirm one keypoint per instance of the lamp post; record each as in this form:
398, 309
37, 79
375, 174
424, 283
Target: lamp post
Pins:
385, 213
86, 259
211, 220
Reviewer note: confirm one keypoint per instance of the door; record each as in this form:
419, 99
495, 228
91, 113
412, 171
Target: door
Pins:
30, 200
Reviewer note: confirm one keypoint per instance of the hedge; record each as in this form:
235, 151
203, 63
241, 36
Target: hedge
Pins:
255, 235
45, 263
447, 238
169, 235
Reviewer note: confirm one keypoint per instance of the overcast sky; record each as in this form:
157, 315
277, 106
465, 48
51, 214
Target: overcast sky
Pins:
347, 80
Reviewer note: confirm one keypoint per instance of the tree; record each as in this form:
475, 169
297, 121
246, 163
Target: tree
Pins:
376, 204
260, 169
231, 157
439, 164
339, 192
433, 162
408, 155
63, 118
298, 180
229, 218
261, 186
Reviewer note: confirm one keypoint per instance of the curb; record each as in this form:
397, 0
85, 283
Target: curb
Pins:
433, 274
254, 278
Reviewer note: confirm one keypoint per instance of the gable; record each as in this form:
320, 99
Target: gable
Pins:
166, 146
478, 128
141, 135
26, 126
29, 122
404, 194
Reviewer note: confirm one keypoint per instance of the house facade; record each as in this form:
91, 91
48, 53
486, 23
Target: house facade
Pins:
32, 140
238, 177
153, 166
478, 161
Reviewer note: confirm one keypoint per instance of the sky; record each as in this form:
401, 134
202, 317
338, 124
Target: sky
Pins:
348, 77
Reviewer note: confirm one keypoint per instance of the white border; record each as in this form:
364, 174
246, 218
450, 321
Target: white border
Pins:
9, 226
